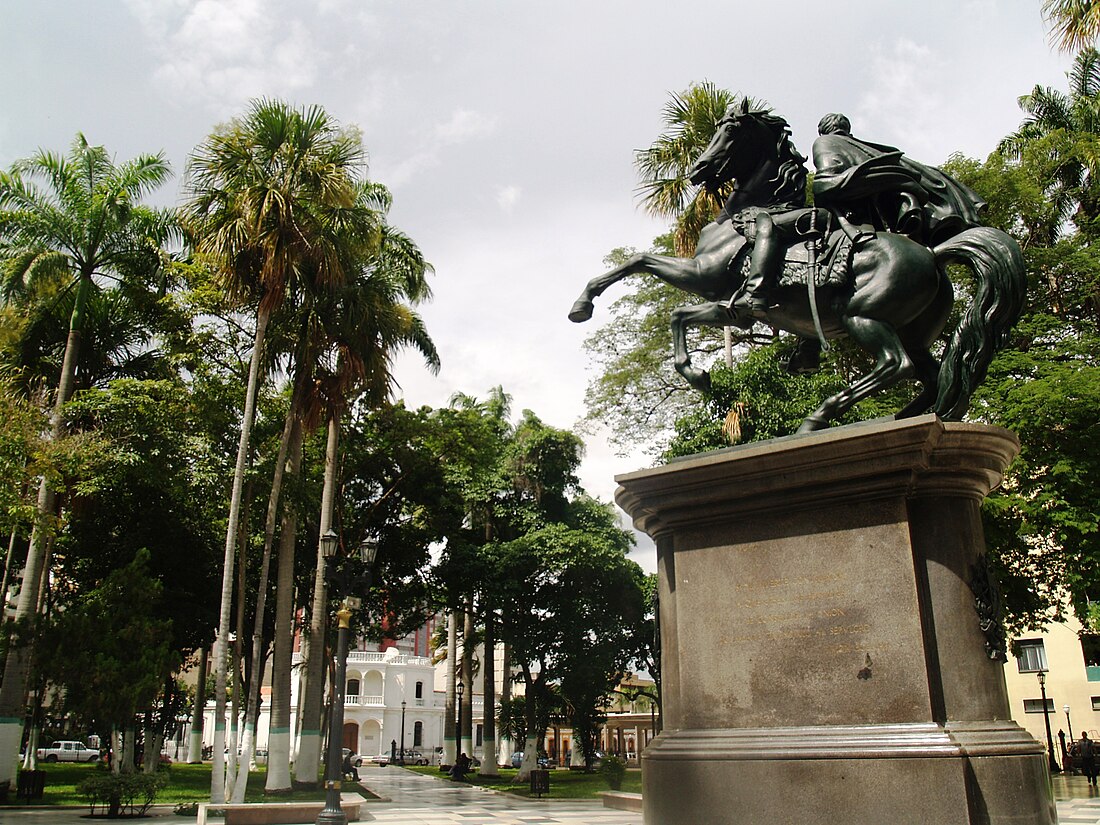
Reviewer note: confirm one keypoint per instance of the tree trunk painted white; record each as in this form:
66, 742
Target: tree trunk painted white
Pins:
117, 749
221, 641
449, 752
507, 744
252, 707
279, 744
308, 759
30, 755
194, 739
489, 756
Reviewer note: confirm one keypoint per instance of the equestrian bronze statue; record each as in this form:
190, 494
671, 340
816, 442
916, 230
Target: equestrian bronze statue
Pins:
866, 261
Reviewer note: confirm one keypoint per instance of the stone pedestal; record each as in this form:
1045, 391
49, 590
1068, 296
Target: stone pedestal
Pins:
823, 659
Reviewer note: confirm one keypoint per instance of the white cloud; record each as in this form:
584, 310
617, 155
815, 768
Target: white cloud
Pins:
903, 99
508, 197
223, 53
465, 125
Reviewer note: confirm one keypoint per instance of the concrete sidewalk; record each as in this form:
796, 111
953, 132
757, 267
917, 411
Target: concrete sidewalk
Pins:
413, 799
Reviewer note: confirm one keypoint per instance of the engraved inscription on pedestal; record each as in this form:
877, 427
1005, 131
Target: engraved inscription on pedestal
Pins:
819, 628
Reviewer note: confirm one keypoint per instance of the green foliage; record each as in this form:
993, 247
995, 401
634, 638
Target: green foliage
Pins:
635, 390
151, 484
1041, 525
759, 399
111, 649
125, 794
613, 770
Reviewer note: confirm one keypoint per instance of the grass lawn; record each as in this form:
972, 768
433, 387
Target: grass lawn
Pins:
186, 784
564, 784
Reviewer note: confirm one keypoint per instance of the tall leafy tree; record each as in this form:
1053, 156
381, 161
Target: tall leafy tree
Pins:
364, 323
77, 219
636, 392
1067, 125
262, 193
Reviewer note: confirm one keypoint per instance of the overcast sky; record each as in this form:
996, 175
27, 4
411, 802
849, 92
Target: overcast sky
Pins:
506, 130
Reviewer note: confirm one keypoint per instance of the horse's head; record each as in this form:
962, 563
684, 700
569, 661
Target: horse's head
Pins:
745, 141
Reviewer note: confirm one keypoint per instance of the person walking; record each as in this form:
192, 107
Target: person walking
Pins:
1087, 748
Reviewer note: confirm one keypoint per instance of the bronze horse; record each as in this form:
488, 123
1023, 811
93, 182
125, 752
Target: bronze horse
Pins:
894, 303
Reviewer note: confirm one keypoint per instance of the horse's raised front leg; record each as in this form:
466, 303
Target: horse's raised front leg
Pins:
680, 272
892, 365
709, 315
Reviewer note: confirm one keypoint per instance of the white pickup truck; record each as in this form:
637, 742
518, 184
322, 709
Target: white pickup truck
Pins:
63, 751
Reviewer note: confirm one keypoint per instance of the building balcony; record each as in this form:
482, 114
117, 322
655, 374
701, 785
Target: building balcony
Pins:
387, 658
363, 701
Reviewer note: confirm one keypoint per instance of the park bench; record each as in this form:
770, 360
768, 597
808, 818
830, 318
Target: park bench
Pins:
287, 813
621, 800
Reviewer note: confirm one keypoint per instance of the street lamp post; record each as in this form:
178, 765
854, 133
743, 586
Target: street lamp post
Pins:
1069, 724
459, 688
1042, 674
402, 760
332, 813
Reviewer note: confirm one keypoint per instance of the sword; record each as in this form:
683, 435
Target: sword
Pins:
811, 283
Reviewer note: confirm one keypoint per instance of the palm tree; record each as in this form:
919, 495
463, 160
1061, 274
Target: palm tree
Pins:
1075, 24
261, 190
368, 322
690, 119
1066, 129
74, 219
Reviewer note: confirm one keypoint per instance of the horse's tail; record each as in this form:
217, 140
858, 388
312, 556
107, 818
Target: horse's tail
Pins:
998, 266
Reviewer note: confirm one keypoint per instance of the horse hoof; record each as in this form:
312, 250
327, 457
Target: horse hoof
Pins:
581, 312
813, 424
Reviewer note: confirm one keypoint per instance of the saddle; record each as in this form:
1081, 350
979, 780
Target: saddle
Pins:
833, 256
834, 253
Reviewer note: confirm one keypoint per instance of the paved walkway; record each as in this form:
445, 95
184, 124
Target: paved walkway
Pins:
414, 799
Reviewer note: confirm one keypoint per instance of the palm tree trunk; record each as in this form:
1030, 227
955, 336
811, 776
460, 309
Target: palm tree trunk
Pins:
309, 744
233, 767
13, 689
278, 747
449, 734
530, 708
252, 709
9, 561
194, 742
489, 756
508, 745
221, 641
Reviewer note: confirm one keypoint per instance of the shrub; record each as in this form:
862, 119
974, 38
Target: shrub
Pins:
613, 770
126, 794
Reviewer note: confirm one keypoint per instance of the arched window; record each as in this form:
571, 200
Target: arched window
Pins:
418, 734
420, 694
352, 690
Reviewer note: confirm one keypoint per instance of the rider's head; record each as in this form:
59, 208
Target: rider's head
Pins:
834, 124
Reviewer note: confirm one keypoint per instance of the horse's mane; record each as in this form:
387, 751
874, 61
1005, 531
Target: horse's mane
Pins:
790, 177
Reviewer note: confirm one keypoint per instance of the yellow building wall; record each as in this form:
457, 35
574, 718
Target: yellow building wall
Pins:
1066, 684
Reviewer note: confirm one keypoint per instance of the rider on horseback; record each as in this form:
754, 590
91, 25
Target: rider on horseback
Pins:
866, 187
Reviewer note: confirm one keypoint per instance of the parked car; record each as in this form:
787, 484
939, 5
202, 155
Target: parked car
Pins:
382, 759
517, 760
68, 751
356, 759
414, 757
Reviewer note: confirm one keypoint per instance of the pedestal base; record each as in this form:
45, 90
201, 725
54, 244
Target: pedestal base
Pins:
829, 634
868, 775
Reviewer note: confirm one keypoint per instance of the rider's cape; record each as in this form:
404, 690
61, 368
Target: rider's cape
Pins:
850, 170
